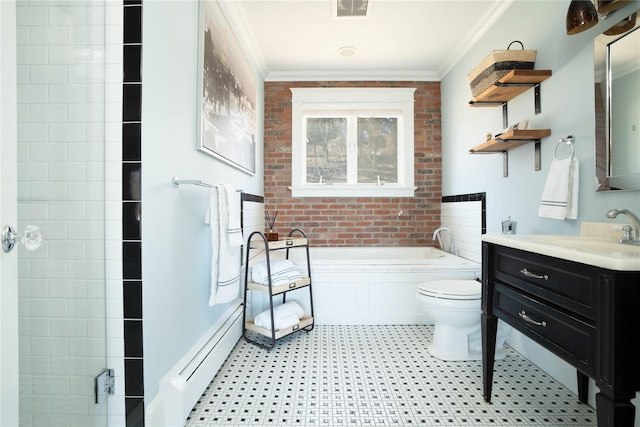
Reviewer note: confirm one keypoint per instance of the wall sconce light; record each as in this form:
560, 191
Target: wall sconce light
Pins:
581, 16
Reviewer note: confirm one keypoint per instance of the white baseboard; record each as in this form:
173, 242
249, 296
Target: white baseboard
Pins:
183, 385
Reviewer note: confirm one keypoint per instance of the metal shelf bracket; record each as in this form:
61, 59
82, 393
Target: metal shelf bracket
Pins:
537, 157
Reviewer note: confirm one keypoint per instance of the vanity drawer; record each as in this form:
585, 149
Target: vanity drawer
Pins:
549, 278
570, 338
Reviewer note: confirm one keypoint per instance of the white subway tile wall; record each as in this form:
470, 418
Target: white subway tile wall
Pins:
69, 155
111, 213
464, 219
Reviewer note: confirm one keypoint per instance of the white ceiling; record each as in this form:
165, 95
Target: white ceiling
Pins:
399, 39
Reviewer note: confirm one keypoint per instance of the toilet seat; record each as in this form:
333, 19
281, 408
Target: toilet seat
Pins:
451, 289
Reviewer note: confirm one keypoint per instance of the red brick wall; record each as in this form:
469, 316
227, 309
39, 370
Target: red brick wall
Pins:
355, 221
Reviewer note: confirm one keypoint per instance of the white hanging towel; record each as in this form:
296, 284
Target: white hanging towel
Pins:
234, 232
225, 258
560, 195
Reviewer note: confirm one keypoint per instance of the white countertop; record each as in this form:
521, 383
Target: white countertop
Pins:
599, 252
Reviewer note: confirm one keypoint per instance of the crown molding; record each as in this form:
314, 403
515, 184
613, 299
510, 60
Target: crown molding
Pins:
473, 36
355, 75
234, 13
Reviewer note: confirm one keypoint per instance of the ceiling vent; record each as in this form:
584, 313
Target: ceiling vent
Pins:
352, 8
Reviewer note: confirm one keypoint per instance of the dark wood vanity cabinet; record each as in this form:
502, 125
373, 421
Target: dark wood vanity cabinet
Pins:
588, 316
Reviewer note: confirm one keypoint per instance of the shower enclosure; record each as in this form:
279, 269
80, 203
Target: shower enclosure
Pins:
69, 84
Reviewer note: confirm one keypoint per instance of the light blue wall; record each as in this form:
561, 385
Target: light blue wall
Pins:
567, 108
175, 241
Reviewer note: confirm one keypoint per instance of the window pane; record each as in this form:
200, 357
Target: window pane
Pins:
377, 150
326, 149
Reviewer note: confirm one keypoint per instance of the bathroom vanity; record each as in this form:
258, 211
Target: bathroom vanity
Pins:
577, 297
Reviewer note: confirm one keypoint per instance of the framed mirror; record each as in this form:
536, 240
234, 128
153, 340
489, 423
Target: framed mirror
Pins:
617, 106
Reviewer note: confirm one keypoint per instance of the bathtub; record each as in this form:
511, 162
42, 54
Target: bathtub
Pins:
375, 285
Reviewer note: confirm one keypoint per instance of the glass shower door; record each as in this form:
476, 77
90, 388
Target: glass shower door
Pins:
61, 77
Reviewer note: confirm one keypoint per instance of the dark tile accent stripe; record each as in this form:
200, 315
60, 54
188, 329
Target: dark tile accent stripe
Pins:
134, 384
472, 197
133, 23
134, 408
131, 185
132, 295
132, 213
132, 260
131, 142
132, 60
247, 197
132, 102
133, 338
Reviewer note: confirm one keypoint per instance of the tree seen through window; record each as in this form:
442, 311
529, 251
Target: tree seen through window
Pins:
373, 159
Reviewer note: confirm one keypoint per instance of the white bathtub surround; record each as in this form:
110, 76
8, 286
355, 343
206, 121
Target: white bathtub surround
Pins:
374, 376
377, 285
464, 219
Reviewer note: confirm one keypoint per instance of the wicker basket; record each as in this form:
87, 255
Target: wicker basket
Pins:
498, 64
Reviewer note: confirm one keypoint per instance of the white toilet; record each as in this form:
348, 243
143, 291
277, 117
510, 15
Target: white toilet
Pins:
454, 306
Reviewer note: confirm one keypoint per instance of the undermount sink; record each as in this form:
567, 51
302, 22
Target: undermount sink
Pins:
581, 243
598, 250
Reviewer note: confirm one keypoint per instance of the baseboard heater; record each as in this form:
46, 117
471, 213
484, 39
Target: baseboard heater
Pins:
184, 384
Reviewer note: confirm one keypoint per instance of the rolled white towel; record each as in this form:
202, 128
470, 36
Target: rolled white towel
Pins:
280, 322
282, 272
281, 315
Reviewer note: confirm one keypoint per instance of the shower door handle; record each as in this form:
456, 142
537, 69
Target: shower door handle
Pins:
31, 238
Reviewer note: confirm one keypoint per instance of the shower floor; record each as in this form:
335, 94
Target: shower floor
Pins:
377, 376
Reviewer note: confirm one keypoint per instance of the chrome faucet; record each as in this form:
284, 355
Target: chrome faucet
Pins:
438, 234
631, 233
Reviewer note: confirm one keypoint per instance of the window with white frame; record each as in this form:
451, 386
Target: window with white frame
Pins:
352, 142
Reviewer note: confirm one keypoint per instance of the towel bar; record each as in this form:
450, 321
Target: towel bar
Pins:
177, 182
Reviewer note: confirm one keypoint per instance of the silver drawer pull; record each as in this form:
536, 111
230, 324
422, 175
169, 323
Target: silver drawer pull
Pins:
534, 275
528, 319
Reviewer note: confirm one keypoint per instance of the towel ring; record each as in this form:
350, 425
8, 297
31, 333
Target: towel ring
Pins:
569, 141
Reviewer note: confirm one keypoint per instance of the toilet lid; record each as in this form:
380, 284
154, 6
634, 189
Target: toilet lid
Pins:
451, 289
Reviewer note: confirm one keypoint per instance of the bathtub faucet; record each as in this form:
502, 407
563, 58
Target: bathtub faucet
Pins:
438, 234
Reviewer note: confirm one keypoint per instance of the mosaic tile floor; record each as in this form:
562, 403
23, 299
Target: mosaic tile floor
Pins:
377, 376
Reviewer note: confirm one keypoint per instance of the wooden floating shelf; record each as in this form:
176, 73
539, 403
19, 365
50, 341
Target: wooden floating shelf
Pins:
508, 140
304, 322
305, 281
282, 243
509, 86
511, 139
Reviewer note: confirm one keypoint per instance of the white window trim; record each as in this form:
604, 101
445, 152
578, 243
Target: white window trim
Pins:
329, 99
